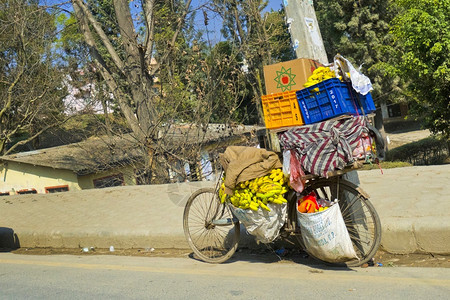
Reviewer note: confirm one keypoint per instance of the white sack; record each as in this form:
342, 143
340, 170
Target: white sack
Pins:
264, 225
325, 235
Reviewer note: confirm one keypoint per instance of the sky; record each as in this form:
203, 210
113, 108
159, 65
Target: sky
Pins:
215, 22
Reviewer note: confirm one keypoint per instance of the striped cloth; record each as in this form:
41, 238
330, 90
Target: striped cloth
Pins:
324, 146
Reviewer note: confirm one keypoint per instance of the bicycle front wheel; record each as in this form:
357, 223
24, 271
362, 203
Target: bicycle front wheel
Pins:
360, 217
211, 240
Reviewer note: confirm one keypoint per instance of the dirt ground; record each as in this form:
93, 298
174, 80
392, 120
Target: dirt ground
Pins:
381, 259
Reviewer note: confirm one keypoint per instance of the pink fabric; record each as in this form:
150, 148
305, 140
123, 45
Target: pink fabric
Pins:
296, 181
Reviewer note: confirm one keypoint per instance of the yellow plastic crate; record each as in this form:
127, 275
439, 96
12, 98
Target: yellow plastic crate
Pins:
281, 110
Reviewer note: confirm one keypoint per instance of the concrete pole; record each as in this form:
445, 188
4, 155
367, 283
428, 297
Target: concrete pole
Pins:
304, 29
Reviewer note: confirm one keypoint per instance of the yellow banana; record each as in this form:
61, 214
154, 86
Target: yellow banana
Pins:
281, 198
223, 198
254, 206
276, 201
263, 205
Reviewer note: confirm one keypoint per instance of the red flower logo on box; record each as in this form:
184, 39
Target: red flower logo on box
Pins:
285, 79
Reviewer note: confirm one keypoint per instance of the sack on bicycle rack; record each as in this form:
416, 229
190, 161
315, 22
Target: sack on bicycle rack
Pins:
325, 235
262, 224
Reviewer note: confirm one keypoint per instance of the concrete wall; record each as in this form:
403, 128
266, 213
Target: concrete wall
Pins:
411, 203
17, 176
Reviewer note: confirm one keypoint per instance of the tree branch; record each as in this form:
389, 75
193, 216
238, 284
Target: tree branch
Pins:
10, 90
23, 142
106, 74
120, 96
238, 24
181, 20
126, 28
149, 6
83, 11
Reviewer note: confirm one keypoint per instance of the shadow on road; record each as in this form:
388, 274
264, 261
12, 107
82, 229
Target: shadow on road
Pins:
280, 255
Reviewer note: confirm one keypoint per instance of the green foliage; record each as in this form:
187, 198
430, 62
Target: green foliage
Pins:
70, 37
428, 151
258, 40
422, 28
235, 98
211, 89
279, 38
359, 30
104, 13
165, 24
212, 84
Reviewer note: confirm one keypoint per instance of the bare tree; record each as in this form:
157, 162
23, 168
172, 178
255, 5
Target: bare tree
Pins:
164, 76
30, 81
159, 76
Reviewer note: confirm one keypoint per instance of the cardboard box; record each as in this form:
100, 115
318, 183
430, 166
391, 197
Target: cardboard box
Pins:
288, 75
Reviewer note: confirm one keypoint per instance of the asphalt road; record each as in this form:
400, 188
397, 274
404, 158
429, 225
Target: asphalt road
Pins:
121, 277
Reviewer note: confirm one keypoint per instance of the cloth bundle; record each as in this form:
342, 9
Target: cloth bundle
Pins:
324, 146
242, 163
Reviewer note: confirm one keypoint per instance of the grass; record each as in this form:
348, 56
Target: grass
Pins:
386, 165
432, 150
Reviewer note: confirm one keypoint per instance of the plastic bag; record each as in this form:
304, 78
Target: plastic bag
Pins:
360, 82
264, 225
295, 179
286, 163
325, 235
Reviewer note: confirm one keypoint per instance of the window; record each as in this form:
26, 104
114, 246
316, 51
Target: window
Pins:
4, 193
108, 181
57, 189
27, 191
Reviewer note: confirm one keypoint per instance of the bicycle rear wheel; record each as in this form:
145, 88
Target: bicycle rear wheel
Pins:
211, 241
360, 217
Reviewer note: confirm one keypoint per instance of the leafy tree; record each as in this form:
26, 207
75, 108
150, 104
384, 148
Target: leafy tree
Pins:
30, 81
359, 30
259, 40
279, 37
161, 71
226, 66
422, 28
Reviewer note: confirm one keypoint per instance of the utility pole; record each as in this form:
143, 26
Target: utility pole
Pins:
304, 29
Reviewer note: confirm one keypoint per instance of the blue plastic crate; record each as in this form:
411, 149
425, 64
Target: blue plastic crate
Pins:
331, 98
366, 102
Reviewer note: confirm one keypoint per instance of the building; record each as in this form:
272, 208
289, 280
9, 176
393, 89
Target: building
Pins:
113, 161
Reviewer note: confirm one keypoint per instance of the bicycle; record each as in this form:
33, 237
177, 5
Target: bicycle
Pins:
213, 232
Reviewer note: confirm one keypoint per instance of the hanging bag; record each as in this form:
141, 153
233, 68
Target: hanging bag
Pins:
262, 224
325, 235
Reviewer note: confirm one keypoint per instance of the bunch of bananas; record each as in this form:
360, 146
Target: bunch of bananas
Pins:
320, 74
256, 193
